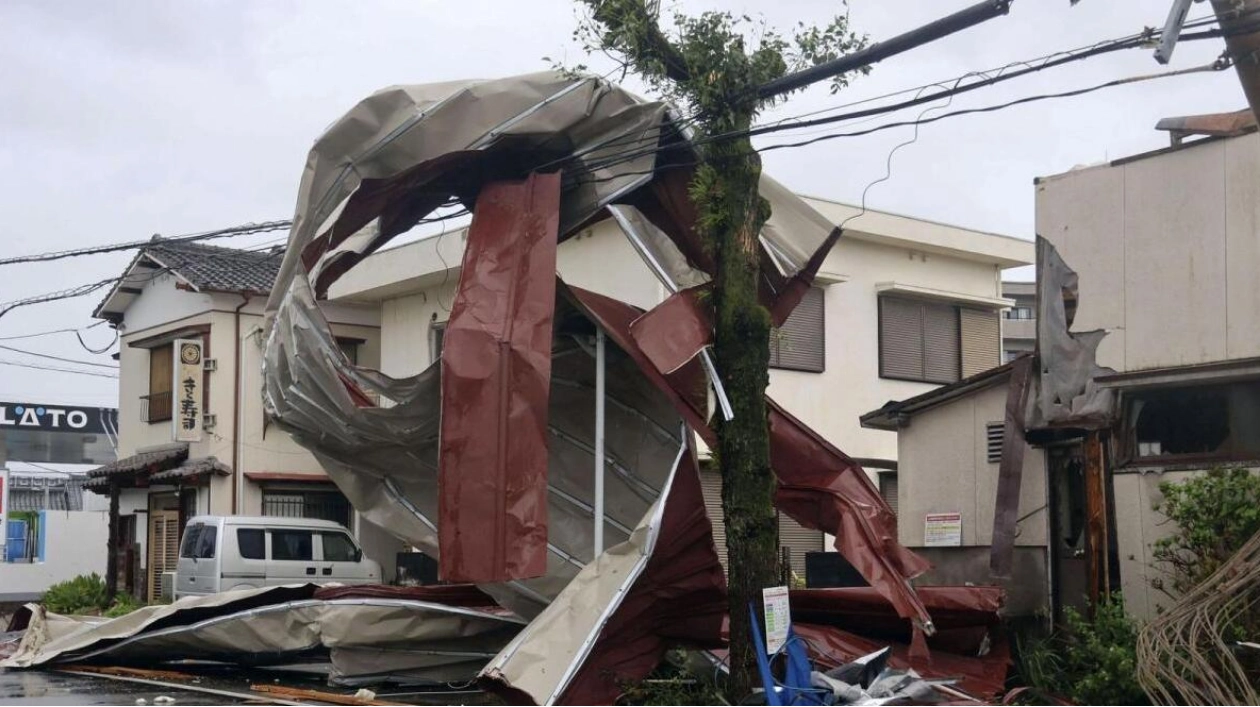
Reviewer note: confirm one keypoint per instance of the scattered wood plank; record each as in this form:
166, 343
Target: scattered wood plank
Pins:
297, 693
149, 673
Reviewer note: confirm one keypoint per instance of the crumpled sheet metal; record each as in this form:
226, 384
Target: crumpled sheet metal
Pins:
391, 161
818, 485
401, 152
1067, 394
662, 586
386, 459
496, 375
431, 641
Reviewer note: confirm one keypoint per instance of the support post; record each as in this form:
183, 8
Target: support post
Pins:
1096, 518
111, 556
599, 442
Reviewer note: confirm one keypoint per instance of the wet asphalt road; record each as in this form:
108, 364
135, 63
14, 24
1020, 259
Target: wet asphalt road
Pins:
37, 687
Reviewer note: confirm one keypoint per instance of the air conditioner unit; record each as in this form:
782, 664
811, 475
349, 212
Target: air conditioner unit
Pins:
209, 420
210, 364
168, 586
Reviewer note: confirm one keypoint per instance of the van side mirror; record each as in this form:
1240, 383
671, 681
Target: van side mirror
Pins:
358, 554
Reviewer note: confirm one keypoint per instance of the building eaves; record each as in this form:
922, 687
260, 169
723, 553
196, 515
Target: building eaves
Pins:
199, 267
896, 414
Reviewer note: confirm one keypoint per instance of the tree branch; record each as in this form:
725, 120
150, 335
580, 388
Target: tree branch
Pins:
631, 30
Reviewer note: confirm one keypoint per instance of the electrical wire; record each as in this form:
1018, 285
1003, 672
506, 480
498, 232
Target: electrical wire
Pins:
20, 364
58, 358
242, 230
1219, 65
52, 331
1129, 42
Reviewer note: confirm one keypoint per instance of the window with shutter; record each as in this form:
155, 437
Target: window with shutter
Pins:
918, 340
711, 487
981, 340
799, 344
940, 343
993, 438
798, 540
888, 489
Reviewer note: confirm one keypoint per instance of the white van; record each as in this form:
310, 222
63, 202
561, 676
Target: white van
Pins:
219, 553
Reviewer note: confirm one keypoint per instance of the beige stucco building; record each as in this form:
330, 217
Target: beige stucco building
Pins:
902, 305
238, 465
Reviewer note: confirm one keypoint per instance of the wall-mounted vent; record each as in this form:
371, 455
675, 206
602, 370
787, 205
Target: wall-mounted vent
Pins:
993, 436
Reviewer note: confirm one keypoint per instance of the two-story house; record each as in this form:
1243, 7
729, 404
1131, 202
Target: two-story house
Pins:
201, 444
1155, 259
902, 305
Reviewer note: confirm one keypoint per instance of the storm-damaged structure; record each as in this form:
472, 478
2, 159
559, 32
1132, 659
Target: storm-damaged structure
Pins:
488, 460
1146, 370
550, 456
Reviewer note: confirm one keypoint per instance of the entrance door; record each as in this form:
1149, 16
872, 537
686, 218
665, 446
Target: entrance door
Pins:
1069, 551
163, 549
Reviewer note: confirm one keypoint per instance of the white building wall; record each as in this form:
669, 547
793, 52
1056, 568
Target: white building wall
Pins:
65, 555
1166, 247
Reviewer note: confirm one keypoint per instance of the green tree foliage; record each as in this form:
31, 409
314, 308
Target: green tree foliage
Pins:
712, 65
1215, 513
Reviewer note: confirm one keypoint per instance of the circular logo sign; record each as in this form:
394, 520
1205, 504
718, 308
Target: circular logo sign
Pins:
190, 353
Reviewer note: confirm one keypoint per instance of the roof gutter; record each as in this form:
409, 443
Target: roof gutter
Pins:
236, 405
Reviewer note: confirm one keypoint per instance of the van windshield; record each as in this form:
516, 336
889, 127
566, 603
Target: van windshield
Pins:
191, 537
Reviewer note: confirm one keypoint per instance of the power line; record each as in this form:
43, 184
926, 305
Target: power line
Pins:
50, 332
20, 364
58, 358
1219, 65
242, 230
1052, 60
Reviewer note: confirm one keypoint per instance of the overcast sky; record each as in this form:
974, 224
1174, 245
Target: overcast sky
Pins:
120, 120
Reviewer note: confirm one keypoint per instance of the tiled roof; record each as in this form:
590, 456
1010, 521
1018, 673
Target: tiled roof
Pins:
210, 267
193, 467
152, 461
207, 268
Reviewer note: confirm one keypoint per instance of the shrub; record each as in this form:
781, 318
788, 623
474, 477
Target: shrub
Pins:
76, 596
123, 604
1089, 661
1215, 514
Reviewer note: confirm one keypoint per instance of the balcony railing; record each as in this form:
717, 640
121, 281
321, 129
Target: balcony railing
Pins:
155, 407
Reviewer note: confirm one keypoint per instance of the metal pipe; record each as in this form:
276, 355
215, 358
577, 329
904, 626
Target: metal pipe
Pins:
236, 406
963, 19
599, 441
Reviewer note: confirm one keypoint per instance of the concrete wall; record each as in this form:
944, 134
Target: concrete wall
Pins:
943, 467
1164, 243
1138, 527
65, 554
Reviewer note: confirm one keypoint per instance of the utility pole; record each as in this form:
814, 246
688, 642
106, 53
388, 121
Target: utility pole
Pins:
967, 17
1243, 48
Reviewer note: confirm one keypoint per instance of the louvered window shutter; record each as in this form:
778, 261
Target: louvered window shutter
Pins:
981, 340
800, 343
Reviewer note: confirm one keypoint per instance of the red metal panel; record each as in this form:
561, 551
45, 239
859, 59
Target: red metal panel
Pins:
496, 374
679, 599
819, 486
674, 331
